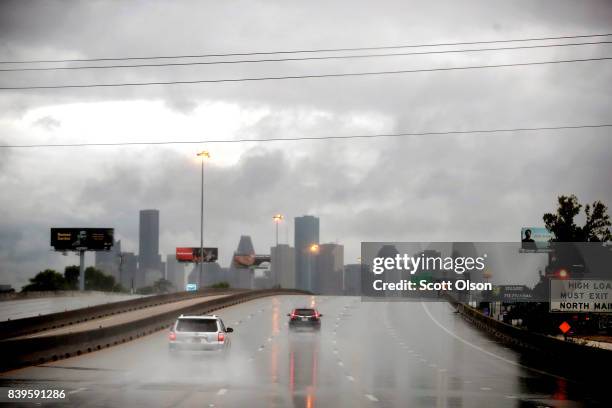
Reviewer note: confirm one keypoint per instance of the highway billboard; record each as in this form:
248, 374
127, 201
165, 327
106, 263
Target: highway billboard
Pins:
191, 254
536, 239
82, 239
250, 261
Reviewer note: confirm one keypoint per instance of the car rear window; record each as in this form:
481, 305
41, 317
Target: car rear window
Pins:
196, 325
304, 312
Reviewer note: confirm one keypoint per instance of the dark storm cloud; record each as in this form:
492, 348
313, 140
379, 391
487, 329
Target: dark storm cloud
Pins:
479, 187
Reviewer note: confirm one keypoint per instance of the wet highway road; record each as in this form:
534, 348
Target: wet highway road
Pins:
367, 354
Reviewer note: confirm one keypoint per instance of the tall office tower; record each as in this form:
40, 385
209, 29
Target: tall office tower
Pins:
129, 271
242, 277
283, 266
212, 273
109, 261
175, 273
330, 270
352, 279
306, 235
149, 260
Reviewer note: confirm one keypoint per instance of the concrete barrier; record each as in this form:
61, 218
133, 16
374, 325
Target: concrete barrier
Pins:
39, 294
15, 353
35, 324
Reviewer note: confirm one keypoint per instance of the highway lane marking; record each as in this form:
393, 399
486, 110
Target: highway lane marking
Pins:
340, 363
464, 341
77, 390
486, 388
222, 391
371, 397
350, 378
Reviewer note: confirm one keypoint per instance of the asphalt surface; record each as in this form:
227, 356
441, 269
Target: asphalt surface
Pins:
121, 318
367, 354
18, 309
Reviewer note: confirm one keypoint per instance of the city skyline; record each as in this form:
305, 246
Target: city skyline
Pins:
470, 187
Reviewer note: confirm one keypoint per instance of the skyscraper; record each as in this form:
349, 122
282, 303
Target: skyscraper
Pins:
108, 261
129, 271
329, 272
283, 266
175, 273
306, 234
352, 279
149, 260
242, 277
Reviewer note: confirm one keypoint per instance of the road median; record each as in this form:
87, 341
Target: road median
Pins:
51, 321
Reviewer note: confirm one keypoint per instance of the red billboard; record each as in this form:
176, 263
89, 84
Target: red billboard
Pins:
193, 254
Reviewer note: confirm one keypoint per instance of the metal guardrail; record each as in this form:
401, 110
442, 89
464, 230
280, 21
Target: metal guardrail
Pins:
36, 324
566, 355
15, 353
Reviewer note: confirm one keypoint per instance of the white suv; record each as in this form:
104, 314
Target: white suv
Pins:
199, 333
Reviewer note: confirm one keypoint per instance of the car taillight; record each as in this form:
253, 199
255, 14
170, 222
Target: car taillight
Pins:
172, 336
293, 316
221, 337
317, 315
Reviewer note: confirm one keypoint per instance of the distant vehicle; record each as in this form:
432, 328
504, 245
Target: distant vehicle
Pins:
305, 317
199, 333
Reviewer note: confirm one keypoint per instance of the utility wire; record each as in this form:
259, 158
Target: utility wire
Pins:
308, 138
235, 54
273, 78
327, 57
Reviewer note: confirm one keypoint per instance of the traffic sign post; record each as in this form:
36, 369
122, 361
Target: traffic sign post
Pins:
81, 269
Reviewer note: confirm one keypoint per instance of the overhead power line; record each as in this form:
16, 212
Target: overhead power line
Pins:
311, 138
308, 76
293, 59
242, 54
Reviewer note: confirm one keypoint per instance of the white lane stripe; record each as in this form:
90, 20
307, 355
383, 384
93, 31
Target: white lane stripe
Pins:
464, 341
77, 390
340, 363
371, 398
222, 391
350, 378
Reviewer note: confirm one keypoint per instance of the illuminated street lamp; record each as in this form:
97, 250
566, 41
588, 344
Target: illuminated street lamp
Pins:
278, 218
313, 250
204, 155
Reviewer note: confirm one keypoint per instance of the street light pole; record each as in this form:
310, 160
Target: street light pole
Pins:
277, 219
202, 154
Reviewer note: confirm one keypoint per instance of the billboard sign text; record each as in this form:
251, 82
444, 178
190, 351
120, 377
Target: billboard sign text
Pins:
581, 295
193, 254
82, 239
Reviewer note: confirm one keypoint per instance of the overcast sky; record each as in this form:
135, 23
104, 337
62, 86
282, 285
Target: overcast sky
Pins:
478, 187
